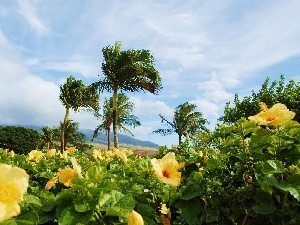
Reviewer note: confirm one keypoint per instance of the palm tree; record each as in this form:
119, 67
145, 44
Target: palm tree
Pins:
124, 117
130, 70
47, 136
185, 122
72, 134
74, 94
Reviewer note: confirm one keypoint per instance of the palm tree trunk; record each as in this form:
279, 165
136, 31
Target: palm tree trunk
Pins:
115, 116
63, 129
108, 138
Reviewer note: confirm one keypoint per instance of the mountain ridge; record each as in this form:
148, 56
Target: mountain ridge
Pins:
122, 138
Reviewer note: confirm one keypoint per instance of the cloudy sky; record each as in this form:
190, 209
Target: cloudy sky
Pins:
205, 52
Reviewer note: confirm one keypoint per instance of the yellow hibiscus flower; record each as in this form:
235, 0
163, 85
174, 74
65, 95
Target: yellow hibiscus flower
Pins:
277, 115
135, 218
50, 153
121, 154
51, 183
13, 185
76, 167
35, 155
166, 169
64, 175
71, 149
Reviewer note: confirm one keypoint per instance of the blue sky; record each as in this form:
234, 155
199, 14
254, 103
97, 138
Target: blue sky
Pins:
205, 52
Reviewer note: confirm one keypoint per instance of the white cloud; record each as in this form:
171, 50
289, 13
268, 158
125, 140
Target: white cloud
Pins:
146, 107
29, 12
208, 108
26, 99
87, 68
213, 90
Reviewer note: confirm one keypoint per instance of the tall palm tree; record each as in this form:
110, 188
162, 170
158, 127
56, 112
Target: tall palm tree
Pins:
185, 122
74, 94
130, 70
124, 119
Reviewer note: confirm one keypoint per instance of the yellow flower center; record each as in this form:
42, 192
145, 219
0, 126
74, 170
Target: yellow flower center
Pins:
6, 192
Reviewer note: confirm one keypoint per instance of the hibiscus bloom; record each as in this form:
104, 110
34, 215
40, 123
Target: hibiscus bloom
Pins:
13, 185
76, 167
166, 169
51, 183
65, 175
275, 116
50, 153
134, 218
121, 155
35, 155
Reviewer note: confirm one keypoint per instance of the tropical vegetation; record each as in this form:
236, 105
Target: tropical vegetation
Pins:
245, 173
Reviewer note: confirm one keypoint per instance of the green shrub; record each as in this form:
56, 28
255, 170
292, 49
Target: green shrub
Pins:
19, 139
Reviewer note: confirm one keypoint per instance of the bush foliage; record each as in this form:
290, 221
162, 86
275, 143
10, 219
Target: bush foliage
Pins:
239, 174
270, 93
20, 139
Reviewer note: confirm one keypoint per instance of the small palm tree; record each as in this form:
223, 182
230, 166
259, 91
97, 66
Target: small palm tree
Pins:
74, 94
47, 136
124, 119
185, 122
72, 134
130, 70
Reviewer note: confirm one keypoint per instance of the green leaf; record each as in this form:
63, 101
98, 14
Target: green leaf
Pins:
65, 194
69, 216
32, 200
26, 218
116, 196
212, 214
77, 181
190, 210
267, 182
294, 191
45, 217
84, 203
47, 199
121, 208
95, 173
147, 212
104, 199
264, 203
272, 167
8, 222
214, 164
